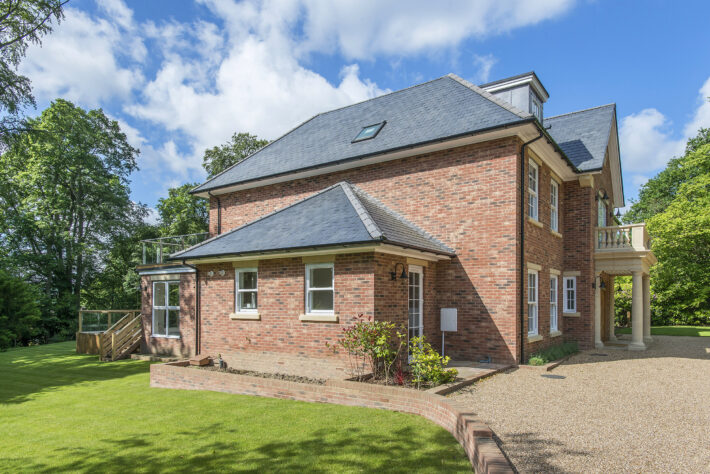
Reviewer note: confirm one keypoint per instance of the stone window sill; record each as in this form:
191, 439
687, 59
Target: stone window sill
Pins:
555, 233
319, 318
154, 336
535, 222
534, 338
571, 314
555, 333
246, 316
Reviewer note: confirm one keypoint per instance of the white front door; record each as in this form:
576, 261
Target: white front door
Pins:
416, 302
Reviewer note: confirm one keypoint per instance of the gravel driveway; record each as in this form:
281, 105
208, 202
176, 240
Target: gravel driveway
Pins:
619, 412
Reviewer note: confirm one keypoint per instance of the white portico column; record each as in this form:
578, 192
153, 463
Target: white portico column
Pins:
647, 309
637, 312
612, 311
597, 313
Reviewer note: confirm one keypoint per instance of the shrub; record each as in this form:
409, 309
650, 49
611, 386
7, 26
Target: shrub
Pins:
553, 353
428, 367
20, 321
374, 344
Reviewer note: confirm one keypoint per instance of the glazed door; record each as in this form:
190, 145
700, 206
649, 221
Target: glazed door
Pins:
416, 302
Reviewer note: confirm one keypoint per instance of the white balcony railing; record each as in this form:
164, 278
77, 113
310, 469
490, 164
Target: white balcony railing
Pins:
623, 237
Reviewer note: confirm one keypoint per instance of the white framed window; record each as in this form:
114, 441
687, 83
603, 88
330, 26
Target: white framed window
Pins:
570, 294
246, 290
553, 304
601, 213
166, 308
536, 106
532, 302
554, 205
320, 283
532, 189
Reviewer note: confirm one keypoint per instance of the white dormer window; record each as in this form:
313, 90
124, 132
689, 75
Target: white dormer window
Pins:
535, 106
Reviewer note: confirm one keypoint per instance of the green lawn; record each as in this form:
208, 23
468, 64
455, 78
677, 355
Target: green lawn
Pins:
673, 331
65, 412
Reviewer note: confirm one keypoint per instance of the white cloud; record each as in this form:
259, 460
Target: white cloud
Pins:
647, 140
363, 29
483, 64
80, 61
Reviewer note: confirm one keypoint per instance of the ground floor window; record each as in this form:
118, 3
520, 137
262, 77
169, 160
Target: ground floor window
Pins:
570, 295
246, 283
319, 288
553, 303
532, 302
166, 308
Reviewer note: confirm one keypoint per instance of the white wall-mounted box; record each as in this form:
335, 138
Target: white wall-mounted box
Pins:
449, 318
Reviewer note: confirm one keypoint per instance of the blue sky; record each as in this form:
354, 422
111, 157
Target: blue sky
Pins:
183, 76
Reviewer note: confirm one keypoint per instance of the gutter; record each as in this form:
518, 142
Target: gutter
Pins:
523, 215
197, 306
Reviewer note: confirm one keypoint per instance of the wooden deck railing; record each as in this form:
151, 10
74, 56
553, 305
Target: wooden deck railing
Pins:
623, 237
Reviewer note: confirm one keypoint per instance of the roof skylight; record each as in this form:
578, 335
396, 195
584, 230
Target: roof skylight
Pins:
369, 132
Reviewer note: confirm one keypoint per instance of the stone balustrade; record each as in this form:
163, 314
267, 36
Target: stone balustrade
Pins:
623, 237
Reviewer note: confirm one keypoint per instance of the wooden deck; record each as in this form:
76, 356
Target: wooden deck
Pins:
110, 334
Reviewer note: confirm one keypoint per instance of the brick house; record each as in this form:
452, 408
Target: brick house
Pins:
441, 195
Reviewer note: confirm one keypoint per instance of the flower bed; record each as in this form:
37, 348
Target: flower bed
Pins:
265, 375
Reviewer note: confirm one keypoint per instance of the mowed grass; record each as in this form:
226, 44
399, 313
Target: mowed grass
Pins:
60, 411
673, 331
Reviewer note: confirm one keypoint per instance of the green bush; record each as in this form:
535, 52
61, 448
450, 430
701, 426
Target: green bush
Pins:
428, 367
553, 353
20, 322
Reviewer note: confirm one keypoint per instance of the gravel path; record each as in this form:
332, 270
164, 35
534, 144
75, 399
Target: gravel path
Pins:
623, 412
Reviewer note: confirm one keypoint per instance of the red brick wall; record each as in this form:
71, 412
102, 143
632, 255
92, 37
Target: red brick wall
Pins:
544, 248
185, 345
468, 198
281, 300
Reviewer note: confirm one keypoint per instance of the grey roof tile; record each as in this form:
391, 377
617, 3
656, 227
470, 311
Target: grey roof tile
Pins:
438, 109
340, 214
583, 136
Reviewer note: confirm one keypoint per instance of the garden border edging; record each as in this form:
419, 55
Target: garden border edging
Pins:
474, 436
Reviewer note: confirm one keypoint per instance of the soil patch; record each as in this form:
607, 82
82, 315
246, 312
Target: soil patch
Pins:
264, 375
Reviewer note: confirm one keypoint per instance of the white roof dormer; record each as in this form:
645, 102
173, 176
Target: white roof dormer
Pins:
524, 91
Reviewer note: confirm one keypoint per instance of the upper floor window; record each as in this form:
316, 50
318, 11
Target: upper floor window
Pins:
319, 288
554, 205
246, 288
166, 308
601, 213
532, 189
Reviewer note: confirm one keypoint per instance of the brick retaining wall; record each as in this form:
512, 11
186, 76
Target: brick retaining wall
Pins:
475, 437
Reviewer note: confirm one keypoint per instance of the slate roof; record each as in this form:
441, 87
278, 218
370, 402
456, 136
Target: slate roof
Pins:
339, 214
583, 136
443, 108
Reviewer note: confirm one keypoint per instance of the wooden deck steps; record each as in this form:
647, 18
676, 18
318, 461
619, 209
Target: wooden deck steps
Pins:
121, 339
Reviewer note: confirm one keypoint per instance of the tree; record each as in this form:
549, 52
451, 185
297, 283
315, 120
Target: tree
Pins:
22, 22
64, 198
238, 147
182, 213
681, 233
19, 311
675, 205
